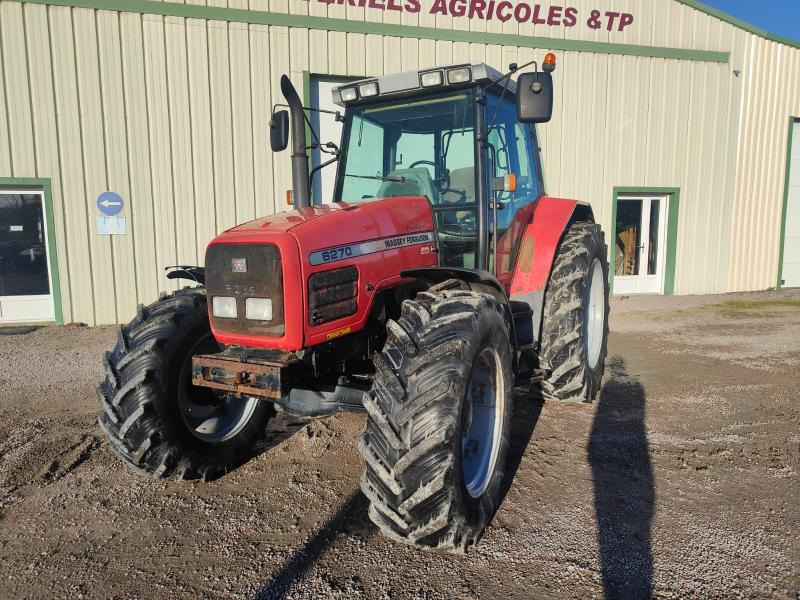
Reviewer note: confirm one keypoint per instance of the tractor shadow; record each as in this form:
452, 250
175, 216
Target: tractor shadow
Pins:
527, 409
352, 517
624, 492
280, 428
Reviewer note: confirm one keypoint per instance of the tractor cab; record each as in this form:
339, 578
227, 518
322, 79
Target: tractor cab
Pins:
461, 136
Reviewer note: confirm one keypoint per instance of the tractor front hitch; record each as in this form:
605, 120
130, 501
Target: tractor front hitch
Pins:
245, 371
277, 377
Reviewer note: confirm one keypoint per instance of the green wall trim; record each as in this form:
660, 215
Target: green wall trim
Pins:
672, 241
52, 253
781, 239
750, 28
672, 231
238, 15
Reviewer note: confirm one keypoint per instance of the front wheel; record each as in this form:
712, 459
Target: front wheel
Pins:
155, 419
439, 415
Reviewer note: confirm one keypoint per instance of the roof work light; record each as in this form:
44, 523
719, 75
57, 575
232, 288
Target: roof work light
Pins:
431, 79
348, 94
459, 75
368, 89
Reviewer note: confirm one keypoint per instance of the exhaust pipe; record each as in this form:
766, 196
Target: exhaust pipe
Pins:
300, 185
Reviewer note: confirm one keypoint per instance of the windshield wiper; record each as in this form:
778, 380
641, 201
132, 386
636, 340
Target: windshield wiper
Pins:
395, 178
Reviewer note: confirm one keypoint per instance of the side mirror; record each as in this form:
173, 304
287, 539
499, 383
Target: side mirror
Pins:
279, 131
534, 97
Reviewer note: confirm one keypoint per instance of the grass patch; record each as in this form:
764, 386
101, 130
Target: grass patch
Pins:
754, 308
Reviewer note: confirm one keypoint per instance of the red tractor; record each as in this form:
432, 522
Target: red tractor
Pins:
438, 280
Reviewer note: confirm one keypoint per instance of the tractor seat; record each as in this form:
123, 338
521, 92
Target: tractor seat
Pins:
462, 186
417, 182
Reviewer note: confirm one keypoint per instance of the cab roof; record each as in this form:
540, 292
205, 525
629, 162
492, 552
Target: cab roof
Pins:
409, 83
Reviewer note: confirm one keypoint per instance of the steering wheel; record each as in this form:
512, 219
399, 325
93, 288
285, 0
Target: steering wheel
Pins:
422, 162
460, 232
443, 182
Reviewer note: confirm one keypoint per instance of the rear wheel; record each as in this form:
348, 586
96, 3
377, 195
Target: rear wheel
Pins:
575, 320
439, 419
155, 419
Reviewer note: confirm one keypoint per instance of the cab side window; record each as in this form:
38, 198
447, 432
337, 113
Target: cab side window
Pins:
513, 153
365, 159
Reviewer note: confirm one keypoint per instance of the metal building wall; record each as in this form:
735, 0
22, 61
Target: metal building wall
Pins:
172, 113
772, 95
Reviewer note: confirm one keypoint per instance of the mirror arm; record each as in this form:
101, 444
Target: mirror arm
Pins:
337, 115
319, 168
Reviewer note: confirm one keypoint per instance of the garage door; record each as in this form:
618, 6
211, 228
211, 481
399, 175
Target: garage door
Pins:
791, 240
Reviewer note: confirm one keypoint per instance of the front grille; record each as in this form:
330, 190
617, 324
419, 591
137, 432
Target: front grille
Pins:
246, 271
332, 295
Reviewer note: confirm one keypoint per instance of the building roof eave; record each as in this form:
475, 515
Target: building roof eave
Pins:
731, 20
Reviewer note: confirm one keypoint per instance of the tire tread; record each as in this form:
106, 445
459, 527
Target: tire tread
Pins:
562, 347
406, 445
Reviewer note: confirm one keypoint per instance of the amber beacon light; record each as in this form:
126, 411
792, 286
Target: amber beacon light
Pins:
549, 64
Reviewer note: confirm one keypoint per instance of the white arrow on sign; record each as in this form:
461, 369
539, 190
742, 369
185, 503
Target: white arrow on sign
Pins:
108, 203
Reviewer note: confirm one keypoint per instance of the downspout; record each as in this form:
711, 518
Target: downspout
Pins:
300, 184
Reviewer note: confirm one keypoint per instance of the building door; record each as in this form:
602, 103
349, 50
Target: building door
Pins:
790, 268
26, 291
329, 130
640, 244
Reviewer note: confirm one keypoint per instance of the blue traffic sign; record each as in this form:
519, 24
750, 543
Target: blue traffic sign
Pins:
110, 203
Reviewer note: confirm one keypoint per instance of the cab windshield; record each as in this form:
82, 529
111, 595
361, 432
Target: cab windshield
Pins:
419, 147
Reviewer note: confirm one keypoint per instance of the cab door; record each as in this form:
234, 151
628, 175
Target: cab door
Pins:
512, 151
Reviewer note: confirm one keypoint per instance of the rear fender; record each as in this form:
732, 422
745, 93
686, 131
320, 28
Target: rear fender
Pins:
540, 241
196, 274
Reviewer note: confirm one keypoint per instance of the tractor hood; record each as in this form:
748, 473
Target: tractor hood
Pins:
285, 221
367, 243
328, 225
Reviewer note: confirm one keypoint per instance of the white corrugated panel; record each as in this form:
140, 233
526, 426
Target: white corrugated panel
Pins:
172, 113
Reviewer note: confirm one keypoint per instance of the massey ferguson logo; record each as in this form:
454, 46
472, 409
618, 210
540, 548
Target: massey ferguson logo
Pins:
407, 240
239, 265
322, 257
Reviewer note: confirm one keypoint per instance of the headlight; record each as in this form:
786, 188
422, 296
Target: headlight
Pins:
431, 79
224, 306
368, 89
258, 309
348, 94
460, 75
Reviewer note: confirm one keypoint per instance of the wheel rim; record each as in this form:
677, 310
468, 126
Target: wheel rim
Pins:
594, 315
483, 430
211, 416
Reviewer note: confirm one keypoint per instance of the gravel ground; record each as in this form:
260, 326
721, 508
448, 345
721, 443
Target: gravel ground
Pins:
681, 480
